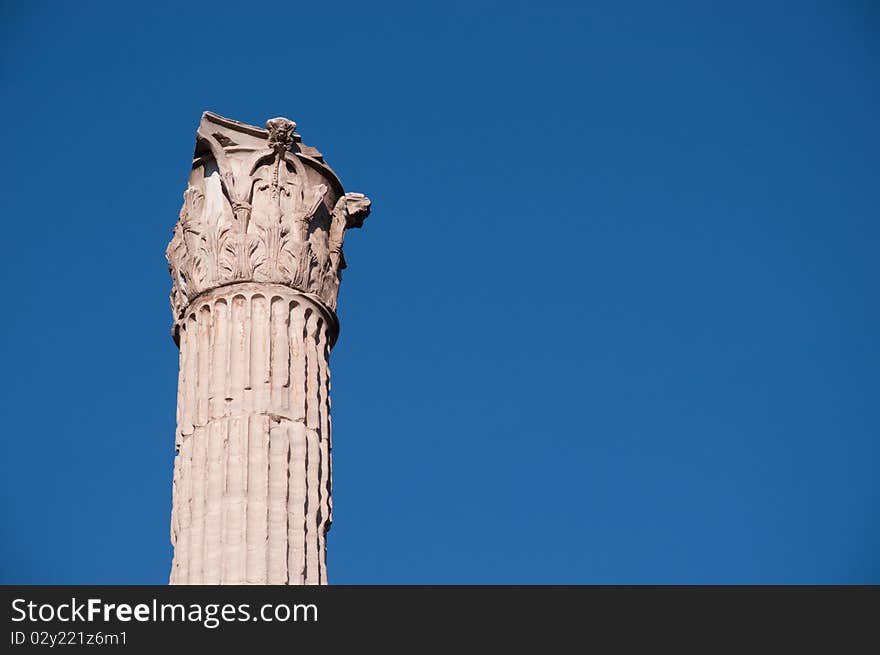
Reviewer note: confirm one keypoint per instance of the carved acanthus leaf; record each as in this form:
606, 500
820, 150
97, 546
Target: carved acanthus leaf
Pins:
255, 210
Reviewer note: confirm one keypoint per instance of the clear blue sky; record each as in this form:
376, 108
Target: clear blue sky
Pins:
614, 318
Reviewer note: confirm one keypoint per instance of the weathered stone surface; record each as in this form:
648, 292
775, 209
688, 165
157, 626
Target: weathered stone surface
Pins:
260, 207
255, 262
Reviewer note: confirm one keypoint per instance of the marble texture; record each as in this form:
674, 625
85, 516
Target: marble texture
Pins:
255, 261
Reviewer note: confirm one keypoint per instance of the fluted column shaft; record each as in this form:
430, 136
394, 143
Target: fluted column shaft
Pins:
256, 260
251, 493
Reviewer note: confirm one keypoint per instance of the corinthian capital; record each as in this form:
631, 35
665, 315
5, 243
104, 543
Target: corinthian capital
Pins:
260, 206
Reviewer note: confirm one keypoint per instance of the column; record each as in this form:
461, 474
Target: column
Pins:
255, 261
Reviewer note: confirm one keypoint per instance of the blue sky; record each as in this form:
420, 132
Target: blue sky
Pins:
613, 319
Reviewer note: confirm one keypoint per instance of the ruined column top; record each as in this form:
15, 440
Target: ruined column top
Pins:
260, 206
235, 136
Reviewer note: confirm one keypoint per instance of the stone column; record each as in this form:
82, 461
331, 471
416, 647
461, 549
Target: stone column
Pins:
255, 260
